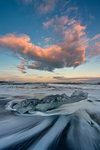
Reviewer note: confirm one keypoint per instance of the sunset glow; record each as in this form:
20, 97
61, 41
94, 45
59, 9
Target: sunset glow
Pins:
49, 41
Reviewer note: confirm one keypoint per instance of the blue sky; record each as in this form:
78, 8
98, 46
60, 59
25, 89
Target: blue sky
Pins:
43, 39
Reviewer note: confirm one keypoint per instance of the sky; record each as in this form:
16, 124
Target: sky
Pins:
49, 40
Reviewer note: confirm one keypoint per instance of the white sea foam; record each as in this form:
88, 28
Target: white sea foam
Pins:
74, 126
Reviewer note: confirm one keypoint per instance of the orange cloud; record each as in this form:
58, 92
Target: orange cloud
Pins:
77, 79
21, 68
9, 67
68, 53
47, 59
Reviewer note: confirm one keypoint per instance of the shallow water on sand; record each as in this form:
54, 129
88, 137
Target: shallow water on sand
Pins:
70, 127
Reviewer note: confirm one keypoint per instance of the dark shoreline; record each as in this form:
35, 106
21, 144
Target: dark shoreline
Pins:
45, 83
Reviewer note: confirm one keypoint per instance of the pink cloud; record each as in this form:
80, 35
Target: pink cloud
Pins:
62, 25
47, 6
48, 23
57, 23
43, 6
48, 40
96, 37
94, 50
9, 67
94, 47
69, 53
21, 68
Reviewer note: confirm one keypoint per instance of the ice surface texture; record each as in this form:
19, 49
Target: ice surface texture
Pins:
74, 124
48, 103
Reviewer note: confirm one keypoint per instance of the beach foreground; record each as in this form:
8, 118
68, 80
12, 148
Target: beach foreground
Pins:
71, 126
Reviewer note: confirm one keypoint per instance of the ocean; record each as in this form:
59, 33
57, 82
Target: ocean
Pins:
74, 126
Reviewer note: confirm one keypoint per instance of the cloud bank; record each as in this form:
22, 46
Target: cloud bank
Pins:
77, 79
70, 51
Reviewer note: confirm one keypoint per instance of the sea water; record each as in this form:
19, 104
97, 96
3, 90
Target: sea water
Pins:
73, 126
